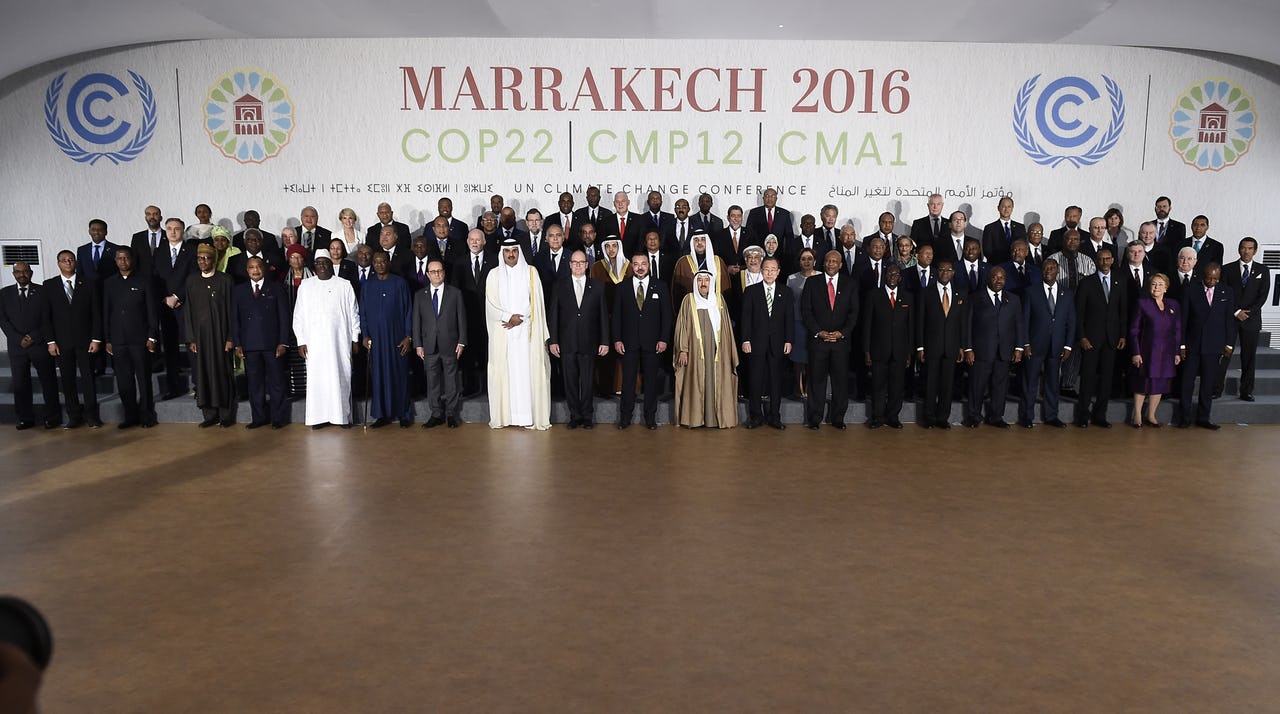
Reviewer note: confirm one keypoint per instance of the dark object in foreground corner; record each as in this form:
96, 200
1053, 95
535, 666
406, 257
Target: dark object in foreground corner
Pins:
22, 626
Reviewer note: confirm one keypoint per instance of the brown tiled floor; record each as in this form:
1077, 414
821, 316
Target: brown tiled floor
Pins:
471, 570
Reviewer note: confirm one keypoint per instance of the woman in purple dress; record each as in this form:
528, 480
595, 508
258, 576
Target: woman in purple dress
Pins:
1154, 337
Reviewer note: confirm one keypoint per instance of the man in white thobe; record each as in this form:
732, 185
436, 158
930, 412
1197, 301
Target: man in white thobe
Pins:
519, 387
326, 322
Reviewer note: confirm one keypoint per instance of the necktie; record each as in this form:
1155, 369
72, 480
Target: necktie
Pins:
640, 296
155, 240
97, 253
655, 219
936, 226
577, 290
421, 271
310, 236
893, 302
1035, 256
1106, 288
653, 262
681, 236
1073, 274
1053, 302
593, 215
1161, 236
442, 245
70, 291
435, 300
831, 237
173, 256
476, 273
770, 212
735, 241
256, 290
959, 247
1196, 246
1186, 280
1008, 235
831, 292
1137, 276
875, 272
848, 258
924, 278
555, 262
1208, 295
364, 273
1022, 276
1244, 275
622, 226
946, 300
997, 302
973, 276
533, 240
22, 293
768, 301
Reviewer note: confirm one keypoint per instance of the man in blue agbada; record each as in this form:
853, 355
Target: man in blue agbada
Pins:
385, 322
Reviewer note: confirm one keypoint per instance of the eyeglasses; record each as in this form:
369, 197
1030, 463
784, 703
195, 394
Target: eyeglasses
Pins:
434, 272
577, 262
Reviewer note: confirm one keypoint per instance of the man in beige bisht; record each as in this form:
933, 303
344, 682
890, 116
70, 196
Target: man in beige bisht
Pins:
519, 367
706, 360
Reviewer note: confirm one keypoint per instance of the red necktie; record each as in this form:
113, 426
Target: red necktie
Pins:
622, 226
831, 292
770, 212
892, 302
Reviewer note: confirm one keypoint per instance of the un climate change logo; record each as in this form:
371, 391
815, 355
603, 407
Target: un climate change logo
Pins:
1212, 124
1063, 130
248, 115
88, 108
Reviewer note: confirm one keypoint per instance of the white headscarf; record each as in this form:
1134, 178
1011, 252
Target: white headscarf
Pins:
750, 277
513, 283
619, 264
710, 303
711, 262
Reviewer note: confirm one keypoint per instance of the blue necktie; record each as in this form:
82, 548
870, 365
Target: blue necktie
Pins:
435, 300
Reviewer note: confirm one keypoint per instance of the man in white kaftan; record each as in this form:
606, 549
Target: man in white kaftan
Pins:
519, 366
326, 322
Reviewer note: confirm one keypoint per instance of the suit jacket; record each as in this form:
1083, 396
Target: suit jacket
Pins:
665, 224
671, 237
1251, 296
18, 320
262, 323
666, 264
939, 332
411, 274
637, 329
995, 247
1049, 332
758, 223
141, 245
1175, 234
818, 314
454, 248
402, 236
911, 278
402, 263
722, 244
1210, 252
72, 324
1086, 248
922, 230
961, 279
129, 311
945, 249
765, 331
321, 239
791, 251
712, 225
237, 266
172, 275
1098, 320
106, 266
270, 242
550, 275
632, 238
1208, 329
444, 332
1135, 288
1159, 260
605, 222
457, 230
888, 330
1018, 284
867, 276
553, 219
1057, 236
578, 329
994, 333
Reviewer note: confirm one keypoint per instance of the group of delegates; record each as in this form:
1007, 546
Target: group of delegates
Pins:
607, 303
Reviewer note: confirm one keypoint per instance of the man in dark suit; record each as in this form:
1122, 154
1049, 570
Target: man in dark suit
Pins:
1169, 233
657, 219
1208, 250
629, 226
440, 331
419, 256
1208, 340
272, 263
931, 227
829, 307
951, 248
1102, 306
563, 217
399, 261
97, 258
73, 330
442, 245
850, 252
260, 327
770, 219
1057, 237
872, 264
132, 330
734, 239
578, 327
997, 338
808, 237
1051, 329
22, 318
1019, 272
766, 330
1155, 257
386, 219
469, 275
496, 204
641, 330
457, 229
662, 262
1097, 239
312, 235
925, 272
1037, 249
704, 219
145, 242
1250, 282
971, 269
253, 222
553, 261
942, 327
677, 240
602, 219
535, 240
888, 337
172, 263
998, 236
885, 224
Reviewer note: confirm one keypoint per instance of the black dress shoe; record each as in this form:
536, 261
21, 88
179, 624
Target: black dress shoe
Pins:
750, 424
925, 424
895, 424
587, 424
171, 395
451, 422
1081, 424
227, 423
27, 424
812, 425
1102, 423
277, 425
651, 425
777, 425
1208, 425
971, 423
207, 423
942, 424
379, 423
839, 425
51, 424
1180, 425
317, 427
432, 423
624, 424
346, 426
93, 423
874, 423
1026, 423
572, 424
255, 424
406, 423
1056, 424
999, 424
1246, 397
147, 424
126, 424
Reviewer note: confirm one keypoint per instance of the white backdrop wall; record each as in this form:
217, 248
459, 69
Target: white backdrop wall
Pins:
726, 117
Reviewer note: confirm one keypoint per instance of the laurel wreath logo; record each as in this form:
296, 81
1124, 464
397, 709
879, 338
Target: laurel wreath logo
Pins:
69, 146
1028, 142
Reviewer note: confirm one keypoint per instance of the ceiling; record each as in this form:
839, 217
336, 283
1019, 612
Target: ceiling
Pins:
37, 33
